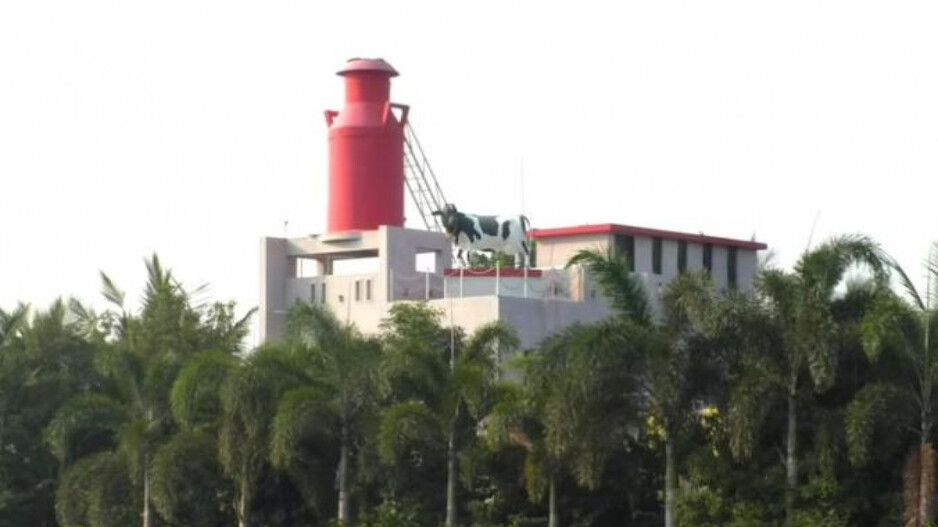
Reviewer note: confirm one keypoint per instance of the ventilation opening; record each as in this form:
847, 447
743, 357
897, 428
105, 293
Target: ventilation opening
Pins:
425, 262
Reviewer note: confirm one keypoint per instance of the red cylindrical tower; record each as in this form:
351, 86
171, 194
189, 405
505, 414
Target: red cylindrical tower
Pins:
366, 151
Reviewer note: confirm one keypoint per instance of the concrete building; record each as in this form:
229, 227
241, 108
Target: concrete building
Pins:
537, 302
368, 260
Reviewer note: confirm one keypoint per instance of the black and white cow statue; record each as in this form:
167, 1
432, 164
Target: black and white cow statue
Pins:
470, 233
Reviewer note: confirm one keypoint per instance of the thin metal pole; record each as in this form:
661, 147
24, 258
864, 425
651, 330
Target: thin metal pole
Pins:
498, 278
525, 281
426, 286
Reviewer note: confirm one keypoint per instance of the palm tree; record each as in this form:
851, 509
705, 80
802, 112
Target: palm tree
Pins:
43, 362
671, 352
805, 348
337, 397
905, 330
249, 399
443, 385
571, 411
139, 355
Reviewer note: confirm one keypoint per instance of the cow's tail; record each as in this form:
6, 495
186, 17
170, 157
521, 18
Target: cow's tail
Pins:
525, 225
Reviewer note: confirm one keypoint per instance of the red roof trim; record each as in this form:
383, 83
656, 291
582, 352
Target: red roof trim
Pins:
490, 273
612, 228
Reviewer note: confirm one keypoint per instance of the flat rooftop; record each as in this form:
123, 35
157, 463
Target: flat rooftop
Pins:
629, 230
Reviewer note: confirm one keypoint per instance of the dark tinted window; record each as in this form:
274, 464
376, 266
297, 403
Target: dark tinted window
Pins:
681, 256
731, 267
708, 257
625, 245
656, 255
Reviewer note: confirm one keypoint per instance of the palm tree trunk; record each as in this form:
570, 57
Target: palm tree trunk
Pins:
927, 484
919, 486
670, 482
343, 479
791, 460
147, 513
244, 500
451, 479
553, 515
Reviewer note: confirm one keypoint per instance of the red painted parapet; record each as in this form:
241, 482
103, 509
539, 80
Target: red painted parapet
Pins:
366, 150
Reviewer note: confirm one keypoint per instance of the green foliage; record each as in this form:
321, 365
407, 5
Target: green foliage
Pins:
195, 397
480, 260
408, 427
622, 288
95, 404
872, 412
188, 487
80, 420
96, 491
393, 514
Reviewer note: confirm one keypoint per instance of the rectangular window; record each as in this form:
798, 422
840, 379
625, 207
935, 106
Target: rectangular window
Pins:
625, 245
656, 255
731, 267
681, 256
708, 257
358, 290
322, 293
367, 289
312, 293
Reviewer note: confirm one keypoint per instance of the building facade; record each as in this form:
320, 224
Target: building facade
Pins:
536, 302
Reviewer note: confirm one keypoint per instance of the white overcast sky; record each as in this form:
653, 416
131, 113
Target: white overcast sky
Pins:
195, 128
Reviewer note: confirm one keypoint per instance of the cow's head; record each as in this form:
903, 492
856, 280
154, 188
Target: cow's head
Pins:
449, 217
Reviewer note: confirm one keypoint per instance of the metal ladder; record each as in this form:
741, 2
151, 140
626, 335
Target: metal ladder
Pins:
421, 182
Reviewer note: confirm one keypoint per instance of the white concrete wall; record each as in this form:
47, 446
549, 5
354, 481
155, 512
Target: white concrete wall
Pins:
747, 263
274, 272
694, 256
556, 252
642, 254
669, 258
557, 299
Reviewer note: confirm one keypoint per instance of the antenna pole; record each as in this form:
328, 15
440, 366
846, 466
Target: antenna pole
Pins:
811, 234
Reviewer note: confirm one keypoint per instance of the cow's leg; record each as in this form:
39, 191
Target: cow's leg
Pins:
459, 258
526, 254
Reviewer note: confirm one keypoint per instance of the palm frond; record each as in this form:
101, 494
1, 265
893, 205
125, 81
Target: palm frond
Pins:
870, 411
314, 325
624, 291
13, 323
408, 425
748, 407
780, 289
111, 292
195, 397
490, 341
300, 412
506, 414
888, 323
186, 481
909, 287
97, 491
82, 417
823, 268
689, 300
